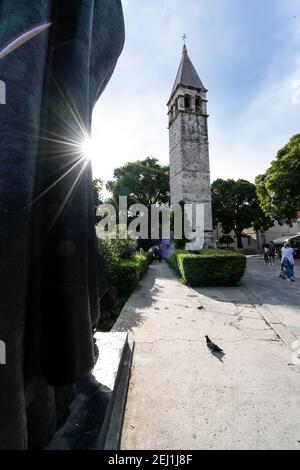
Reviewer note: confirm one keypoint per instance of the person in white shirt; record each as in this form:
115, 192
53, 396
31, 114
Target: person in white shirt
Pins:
287, 260
266, 254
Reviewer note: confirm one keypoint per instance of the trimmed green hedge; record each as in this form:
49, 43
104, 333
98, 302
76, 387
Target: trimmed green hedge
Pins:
209, 267
173, 259
125, 274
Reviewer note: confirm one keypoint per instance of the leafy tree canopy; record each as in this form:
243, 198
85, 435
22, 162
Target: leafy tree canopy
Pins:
278, 188
226, 240
144, 182
97, 193
236, 207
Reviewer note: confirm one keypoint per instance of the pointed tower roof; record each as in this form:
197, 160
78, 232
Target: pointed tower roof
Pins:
187, 74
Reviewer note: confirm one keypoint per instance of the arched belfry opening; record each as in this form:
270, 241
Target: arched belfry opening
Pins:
176, 106
187, 102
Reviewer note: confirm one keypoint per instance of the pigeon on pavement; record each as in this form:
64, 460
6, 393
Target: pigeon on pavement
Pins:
212, 346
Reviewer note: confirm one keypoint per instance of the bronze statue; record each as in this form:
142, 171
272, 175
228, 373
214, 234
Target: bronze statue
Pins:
48, 276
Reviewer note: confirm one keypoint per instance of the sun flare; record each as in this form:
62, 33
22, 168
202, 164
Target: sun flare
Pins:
87, 148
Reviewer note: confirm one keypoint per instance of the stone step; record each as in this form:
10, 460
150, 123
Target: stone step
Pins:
96, 417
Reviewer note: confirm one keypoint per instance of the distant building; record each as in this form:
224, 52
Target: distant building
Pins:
255, 241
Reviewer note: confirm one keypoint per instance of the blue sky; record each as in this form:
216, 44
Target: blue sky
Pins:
246, 53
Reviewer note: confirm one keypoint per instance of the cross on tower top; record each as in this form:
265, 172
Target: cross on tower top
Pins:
184, 37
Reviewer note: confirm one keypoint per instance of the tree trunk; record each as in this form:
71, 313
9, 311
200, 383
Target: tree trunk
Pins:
239, 240
257, 240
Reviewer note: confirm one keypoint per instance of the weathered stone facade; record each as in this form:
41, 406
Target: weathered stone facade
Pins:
188, 140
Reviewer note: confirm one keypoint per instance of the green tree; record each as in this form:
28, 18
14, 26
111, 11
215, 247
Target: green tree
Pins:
278, 188
236, 207
144, 182
97, 193
226, 240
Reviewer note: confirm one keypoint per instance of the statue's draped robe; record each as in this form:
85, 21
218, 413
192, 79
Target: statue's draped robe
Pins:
48, 279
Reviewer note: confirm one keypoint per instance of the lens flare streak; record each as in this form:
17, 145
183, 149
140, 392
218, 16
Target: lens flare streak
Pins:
22, 38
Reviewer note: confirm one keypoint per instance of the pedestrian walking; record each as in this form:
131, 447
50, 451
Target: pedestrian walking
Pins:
287, 260
160, 253
155, 253
266, 254
271, 254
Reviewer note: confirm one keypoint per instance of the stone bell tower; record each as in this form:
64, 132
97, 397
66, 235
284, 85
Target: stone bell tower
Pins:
188, 135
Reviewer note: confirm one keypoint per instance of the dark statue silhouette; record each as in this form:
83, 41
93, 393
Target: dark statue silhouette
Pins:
48, 277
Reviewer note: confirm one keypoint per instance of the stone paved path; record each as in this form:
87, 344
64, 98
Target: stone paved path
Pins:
181, 396
282, 298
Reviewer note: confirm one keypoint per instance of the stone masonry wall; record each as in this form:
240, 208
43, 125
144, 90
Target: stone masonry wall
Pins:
189, 157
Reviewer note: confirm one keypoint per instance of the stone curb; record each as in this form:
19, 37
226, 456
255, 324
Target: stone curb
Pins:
96, 418
114, 433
